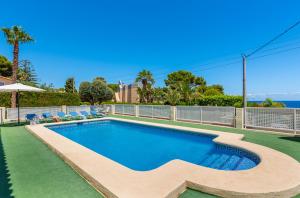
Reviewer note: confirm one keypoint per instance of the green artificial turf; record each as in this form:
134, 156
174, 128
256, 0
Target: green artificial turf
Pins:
35, 171
190, 193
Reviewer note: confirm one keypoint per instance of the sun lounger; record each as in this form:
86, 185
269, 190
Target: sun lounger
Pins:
32, 118
97, 115
47, 117
86, 114
63, 117
76, 116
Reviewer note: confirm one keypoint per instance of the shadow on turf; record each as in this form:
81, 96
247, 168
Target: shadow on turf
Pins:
292, 138
5, 186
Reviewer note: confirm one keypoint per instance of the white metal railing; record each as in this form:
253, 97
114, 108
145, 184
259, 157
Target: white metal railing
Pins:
125, 109
273, 118
297, 120
283, 119
104, 107
189, 113
1, 116
155, 111
206, 114
78, 108
12, 113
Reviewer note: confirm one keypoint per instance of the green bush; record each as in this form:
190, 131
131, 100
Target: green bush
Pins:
40, 99
219, 100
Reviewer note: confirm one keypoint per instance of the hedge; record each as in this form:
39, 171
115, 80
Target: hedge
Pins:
41, 99
220, 100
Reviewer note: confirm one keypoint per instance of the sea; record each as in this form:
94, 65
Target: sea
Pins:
288, 103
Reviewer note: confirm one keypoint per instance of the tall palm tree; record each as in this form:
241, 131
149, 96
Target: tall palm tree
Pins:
14, 36
145, 78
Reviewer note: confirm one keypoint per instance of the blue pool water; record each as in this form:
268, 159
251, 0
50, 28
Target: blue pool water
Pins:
140, 147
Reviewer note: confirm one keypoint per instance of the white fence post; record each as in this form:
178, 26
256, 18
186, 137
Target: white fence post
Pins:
244, 116
295, 121
152, 111
113, 110
201, 115
64, 108
173, 113
136, 110
2, 114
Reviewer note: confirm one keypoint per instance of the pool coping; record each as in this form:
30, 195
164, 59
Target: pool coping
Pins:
276, 175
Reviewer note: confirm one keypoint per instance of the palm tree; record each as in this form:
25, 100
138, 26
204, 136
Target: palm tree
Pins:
145, 78
14, 36
172, 97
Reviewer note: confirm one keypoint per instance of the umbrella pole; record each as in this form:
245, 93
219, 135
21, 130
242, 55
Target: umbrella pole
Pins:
18, 103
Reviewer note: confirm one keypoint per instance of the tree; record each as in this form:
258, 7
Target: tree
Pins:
172, 97
186, 84
47, 87
101, 79
214, 90
159, 95
14, 36
70, 86
95, 92
85, 91
270, 103
184, 77
100, 91
5, 67
114, 87
27, 74
146, 80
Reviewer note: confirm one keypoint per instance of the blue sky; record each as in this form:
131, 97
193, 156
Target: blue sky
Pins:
116, 39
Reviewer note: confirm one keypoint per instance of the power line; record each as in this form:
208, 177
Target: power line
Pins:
273, 39
197, 69
278, 52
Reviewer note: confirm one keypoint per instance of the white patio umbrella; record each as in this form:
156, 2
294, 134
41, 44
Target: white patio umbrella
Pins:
19, 87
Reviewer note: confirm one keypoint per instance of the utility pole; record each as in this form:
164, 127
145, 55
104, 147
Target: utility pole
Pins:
244, 91
73, 85
245, 56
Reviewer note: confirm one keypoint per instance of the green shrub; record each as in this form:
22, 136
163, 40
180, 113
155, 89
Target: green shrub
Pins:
40, 99
219, 100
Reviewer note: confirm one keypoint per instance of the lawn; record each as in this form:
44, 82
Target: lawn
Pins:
30, 169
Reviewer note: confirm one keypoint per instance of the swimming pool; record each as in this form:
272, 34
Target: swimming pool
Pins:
142, 147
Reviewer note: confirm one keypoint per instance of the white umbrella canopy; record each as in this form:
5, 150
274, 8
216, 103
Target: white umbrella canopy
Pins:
19, 87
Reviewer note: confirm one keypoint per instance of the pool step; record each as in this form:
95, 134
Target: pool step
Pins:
232, 163
209, 159
220, 161
223, 161
244, 164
